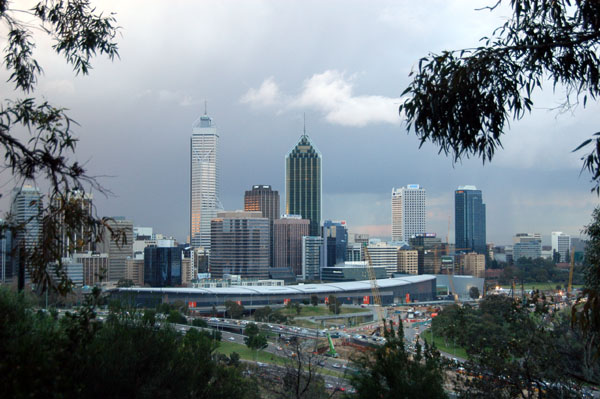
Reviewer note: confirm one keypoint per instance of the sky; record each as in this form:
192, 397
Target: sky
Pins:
260, 66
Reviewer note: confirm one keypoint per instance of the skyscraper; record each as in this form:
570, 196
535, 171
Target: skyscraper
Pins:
162, 266
561, 243
25, 213
262, 198
312, 257
469, 220
303, 183
118, 250
239, 245
335, 236
287, 242
204, 180
408, 212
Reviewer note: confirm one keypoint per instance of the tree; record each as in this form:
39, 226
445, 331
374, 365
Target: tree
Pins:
392, 373
263, 314
300, 378
254, 339
79, 32
234, 309
137, 360
125, 283
514, 349
334, 304
474, 292
314, 300
586, 311
176, 317
461, 100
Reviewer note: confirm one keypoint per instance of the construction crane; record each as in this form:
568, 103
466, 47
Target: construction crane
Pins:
375, 290
570, 286
332, 352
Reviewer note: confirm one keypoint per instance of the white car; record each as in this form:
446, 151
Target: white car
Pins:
231, 338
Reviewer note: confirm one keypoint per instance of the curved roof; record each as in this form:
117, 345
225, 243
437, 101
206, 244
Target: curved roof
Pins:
290, 289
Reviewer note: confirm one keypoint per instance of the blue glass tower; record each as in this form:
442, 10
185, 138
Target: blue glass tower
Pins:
469, 220
335, 236
162, 266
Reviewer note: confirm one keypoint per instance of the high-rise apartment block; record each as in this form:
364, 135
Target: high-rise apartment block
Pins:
408, 212
75, 237
119, 246
204, 180
312, 257
239, 245
561, 243
266, 200
287, 242
473, 264
408, 261
303, 183
335, 236
469, 220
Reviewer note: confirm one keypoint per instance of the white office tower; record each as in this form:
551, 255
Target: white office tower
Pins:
204, 183
561, 243
408, 212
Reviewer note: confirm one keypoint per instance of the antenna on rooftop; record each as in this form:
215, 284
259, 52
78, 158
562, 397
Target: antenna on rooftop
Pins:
205, 106
304, 123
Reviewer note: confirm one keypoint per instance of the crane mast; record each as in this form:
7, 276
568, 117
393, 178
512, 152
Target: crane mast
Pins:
375, 289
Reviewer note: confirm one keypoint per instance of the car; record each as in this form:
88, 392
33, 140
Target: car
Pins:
336, 365
231, 338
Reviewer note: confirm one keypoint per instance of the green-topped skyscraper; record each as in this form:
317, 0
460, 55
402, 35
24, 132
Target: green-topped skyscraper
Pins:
303, 183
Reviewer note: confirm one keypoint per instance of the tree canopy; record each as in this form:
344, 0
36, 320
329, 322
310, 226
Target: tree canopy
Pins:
463, 100
78, 32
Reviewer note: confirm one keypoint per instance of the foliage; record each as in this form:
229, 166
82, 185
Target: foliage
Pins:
300, 378
462, 100
392, 373
515, 349
234, 310
263, 314
124, 283
176, 317
198, 322
79, 32
335, 305
314, 300
254, 339
122, 358
586, 311
474, 292
538, 270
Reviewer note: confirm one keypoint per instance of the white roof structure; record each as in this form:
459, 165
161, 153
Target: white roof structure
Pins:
290, 289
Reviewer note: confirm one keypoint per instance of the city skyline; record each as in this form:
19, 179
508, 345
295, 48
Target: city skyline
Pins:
350, 96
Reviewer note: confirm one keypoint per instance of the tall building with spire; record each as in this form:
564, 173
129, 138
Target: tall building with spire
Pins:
204, 180
303, 183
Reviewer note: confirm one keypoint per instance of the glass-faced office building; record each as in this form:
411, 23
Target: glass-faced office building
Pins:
303, 183
469, 220
162, 266
204, 180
